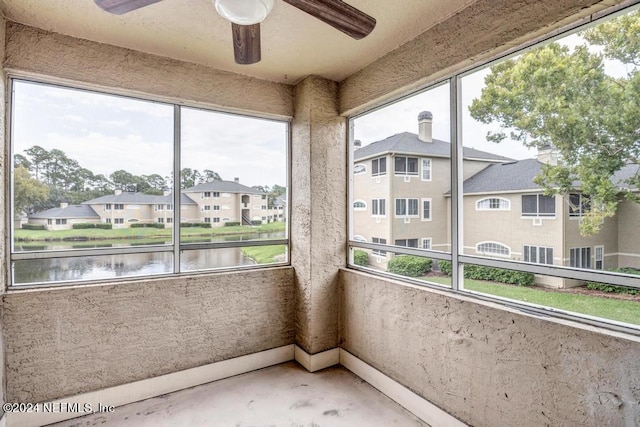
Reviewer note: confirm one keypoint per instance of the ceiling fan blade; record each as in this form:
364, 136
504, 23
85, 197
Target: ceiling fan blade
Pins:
339, 15
120, 7
246, 43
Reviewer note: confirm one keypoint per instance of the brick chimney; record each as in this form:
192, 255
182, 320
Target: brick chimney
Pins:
117, 192
425, 119
548, 154
64, 205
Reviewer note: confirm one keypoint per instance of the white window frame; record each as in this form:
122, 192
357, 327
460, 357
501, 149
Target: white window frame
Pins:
375, 202
406, 166
378, 174
361, 208
537, 214
406, 201
422, 202
493, 253
577, 257
362, 167
426, 243
528, 249
489, 200
598, 257
423, 169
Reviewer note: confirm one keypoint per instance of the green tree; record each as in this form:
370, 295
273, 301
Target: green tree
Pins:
28, 192
556, 96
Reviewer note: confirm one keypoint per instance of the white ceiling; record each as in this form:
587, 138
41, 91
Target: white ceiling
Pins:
294, 44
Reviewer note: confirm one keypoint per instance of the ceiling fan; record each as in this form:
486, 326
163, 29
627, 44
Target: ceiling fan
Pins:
246, 15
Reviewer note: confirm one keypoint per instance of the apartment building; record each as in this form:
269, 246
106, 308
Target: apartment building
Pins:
401, 198
214, 202
399, 185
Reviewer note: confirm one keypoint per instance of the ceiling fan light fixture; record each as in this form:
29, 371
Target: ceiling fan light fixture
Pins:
244, 12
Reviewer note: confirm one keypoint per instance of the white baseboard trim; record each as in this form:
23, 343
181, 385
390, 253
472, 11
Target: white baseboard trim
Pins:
152, 387
413, 403
315, 362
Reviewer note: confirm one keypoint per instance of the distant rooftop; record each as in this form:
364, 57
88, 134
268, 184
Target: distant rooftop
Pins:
71, 211
223, 187
409, 143
138, 198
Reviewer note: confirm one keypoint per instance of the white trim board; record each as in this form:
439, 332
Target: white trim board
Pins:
413, 403
152, 387
315, 362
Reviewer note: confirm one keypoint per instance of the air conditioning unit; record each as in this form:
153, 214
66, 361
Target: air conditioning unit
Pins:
537, 222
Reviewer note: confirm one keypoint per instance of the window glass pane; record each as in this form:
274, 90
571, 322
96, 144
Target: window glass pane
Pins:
233, 181
88, 172
205, 259
529, 205
98, 267
419, 185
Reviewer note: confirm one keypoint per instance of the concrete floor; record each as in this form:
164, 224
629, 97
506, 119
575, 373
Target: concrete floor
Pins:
282, 395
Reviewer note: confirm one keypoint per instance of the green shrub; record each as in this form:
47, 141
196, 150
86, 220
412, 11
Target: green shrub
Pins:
83, 225
445, 267
409, 265
500, 275
255, 222
147, 225
360, 257
231, 224
104, 226
32, 227
604, 287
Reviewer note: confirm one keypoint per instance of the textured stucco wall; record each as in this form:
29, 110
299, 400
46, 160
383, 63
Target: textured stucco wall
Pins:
318, 205
66, 341
3, 192
37, 51
477, 32
488, 366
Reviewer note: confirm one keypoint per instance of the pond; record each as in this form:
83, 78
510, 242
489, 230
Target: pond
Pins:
101, 267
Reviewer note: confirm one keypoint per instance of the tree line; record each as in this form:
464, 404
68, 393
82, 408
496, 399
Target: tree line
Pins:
45, 178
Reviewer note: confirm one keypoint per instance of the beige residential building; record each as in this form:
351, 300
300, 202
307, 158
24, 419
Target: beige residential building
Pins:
401, 197
399, 185
215, 202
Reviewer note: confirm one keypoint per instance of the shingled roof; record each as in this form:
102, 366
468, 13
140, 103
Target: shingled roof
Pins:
409, 143
222, 187
71, 211
138, 199
518, 176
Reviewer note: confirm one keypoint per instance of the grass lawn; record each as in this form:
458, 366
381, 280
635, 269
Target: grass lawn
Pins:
608, 308
138, 233
264, 254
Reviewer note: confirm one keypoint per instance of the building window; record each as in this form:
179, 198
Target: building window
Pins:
406, 208
538, 254
112, 177
409, 243
406, 165
359, 205
379, 207
493, 203
493, 248
538, 205
379, 166
426, 209
579, 204
216, 220
206, 207
216, 207
359, 238
216, 194
426, 243
264, 207
580, 257
381, 242
426, 169
360, 169
599, 257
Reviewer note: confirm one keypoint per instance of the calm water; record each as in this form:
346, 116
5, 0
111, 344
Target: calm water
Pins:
114, 266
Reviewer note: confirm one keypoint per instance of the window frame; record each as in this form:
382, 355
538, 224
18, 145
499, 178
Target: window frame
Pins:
421, 213
422, 169
378, 160
406, 171
527, 250
407, 204
537, 214
493, 253
490, 200
176, 246
376, 204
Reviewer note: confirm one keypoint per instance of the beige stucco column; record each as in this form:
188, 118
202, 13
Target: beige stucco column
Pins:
318, 205
4, 143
